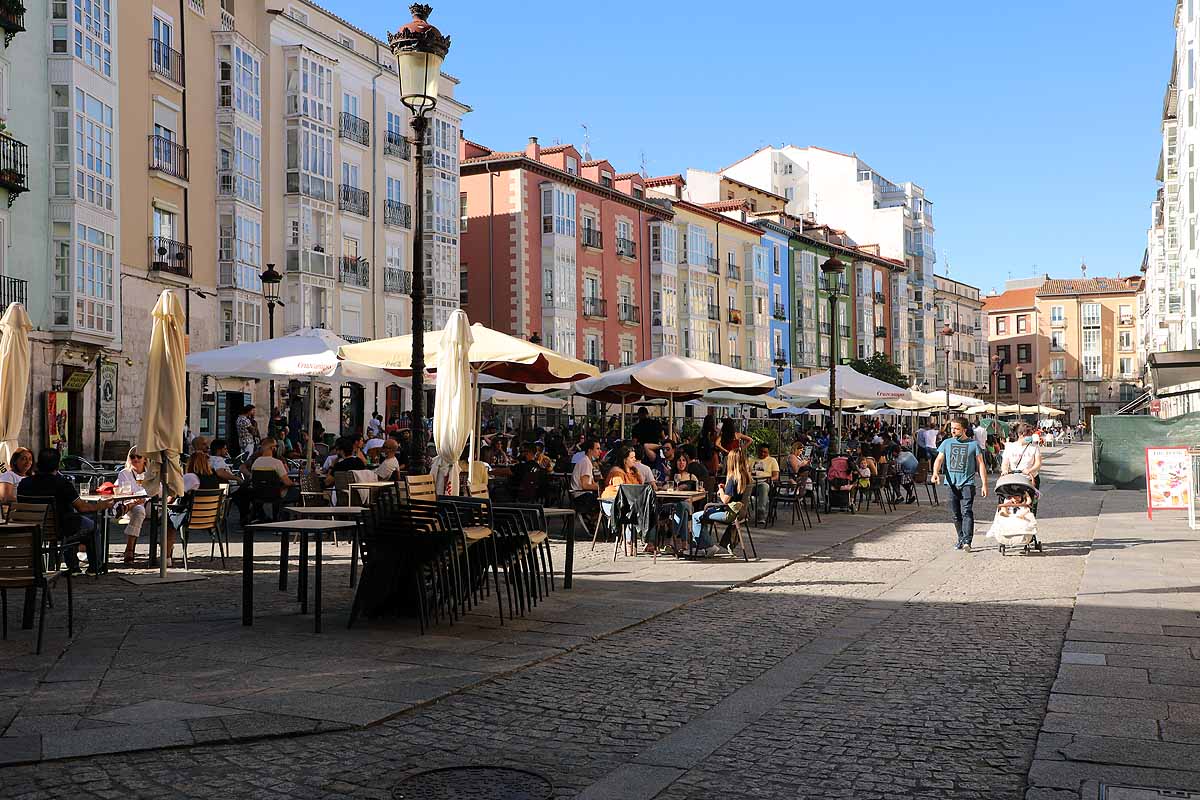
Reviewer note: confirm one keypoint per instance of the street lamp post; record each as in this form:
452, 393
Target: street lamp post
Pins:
997, 366
419, 49
1019, 374
948, 332
832, 270
270, 282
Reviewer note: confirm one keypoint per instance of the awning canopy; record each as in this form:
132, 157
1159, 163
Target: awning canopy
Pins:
1170, 370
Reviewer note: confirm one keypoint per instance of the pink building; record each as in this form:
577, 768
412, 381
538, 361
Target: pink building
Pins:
553, 246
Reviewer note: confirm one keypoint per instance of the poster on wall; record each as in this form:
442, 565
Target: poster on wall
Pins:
108, 397
56, 420
1168, 480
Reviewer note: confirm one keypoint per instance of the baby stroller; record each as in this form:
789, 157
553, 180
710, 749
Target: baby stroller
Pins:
840, 477
1015, 524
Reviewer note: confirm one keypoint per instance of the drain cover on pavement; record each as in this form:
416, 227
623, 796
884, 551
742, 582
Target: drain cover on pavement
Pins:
476, 783
1144, 793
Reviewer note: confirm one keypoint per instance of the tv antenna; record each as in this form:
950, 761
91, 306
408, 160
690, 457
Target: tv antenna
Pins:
587, 142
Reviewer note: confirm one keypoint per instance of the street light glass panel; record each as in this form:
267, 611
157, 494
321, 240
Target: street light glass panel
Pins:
419, 75
270, 283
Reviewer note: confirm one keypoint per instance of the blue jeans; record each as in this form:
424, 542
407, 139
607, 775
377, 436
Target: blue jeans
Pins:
962, 506
89, 536
707, 540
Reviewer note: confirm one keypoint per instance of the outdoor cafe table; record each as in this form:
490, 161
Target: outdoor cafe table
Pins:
316, 527
371, 487
567, 515
97, 498
334, 512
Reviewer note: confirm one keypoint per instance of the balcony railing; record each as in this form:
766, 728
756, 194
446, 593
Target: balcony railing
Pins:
779, 311
166, 62
354, 200
397, 213
714, 266
354, 271
1127, 320
824, 328
168, 255
880, 332
735, 362
781, 357
593, 238
628, 312
844, 331
879, 297
595, 307
397, 281
12, 19
598, 363
14, 166
733, 271
13, 290
395, 144
168, 157
626, 248
735, 316
356, 129
714, 312
714, 357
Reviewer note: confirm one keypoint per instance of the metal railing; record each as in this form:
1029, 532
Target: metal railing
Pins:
168, 255
396, 144
12, 19
628, 312
714, 312
593, 238
779, 311
880, 332
13, 290
168, 157
354, 271
735, 316
397, 213
397, 281
735, 362
879, 297
598, 363
825, 328
166, 62
595, 307
356, 129
354, 200
714, 356
714, 266
844, 331
626, 248
14, 164
733, 271
781, 357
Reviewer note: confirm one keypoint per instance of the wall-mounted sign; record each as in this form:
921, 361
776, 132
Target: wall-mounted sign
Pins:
77, 380
108, 397
56, 420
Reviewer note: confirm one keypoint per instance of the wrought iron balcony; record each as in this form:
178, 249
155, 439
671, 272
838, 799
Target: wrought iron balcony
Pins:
14, 166
168, 157
779, 311
714, 266
13, 290
844, 331
714, 356
354, 200
880, 332
595, 307
395, 144
626, 248
735, 362
354, 271
166, 62
12, 19
879, 297
781, 357
598, 363
628, 312
825, 328
733, 271
397, 213
168, 255
354, 339
593, 238
714, 312
397, 281
735, 316
356, 129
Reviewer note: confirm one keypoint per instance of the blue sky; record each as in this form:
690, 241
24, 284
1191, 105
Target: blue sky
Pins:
1032, 124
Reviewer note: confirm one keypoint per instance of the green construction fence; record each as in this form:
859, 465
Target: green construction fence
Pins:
1119, 445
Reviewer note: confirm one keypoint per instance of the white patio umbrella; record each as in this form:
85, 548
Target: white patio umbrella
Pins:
498, 398
453, 405
14, 376
672, 378
163, 415
733, 399
853, 388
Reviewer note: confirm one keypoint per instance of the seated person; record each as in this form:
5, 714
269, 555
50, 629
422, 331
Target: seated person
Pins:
908, 465
680, 512
347, 459
199, 474
543, 460
764, 469
732, 495
129, 481
20, 467
528, 478
696, 467
73, 527
655, 461
218, 459
624, 470
389, 465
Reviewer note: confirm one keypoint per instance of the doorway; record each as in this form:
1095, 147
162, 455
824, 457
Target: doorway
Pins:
351, 409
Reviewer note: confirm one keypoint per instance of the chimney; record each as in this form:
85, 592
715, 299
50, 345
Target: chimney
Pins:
533, 150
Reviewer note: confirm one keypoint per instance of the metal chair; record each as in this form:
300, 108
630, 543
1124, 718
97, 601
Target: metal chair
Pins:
22, 566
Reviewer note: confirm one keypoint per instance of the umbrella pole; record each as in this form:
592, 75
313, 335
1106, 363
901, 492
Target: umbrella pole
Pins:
163, 555
475, 430
312, 413
622, 418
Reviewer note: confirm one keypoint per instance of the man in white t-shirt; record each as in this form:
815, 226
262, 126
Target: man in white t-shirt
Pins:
928, 440
582, 479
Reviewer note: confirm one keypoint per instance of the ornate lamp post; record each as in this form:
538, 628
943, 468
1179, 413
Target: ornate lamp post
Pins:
948, 332
832, 270
419, 49
997, 368
270, 283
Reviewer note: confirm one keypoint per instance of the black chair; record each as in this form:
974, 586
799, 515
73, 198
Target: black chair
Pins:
22, 566
266, 491
787, 494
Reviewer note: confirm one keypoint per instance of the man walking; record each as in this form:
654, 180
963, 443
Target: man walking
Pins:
962, 459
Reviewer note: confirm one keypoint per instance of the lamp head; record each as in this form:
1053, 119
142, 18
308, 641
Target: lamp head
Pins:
419, 49
270, 282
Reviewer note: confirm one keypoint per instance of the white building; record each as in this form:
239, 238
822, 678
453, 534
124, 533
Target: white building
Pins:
844, 192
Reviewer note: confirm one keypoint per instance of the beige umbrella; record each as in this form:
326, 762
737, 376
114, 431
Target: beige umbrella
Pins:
454, 405
161, 436
14, 376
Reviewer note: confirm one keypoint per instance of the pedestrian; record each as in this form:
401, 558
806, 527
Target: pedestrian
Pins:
960, 456
247, 432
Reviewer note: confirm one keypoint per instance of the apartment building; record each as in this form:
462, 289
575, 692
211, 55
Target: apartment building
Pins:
960, 306
841, 189
554, 249
1012, 328
16, 133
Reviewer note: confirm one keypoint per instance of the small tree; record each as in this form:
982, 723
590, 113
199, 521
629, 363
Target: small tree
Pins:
880, 367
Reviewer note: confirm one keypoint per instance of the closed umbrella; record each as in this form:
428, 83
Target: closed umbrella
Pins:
14, 376
163, 415
453, 405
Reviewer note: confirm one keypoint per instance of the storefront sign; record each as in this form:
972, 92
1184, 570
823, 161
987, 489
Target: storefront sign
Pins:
1168, 480
56, 420
108, 397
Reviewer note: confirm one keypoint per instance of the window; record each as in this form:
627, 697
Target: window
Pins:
558, 211
60, 105
1022, 323
1056, 315
310, 160
298, 15
60, 296
1091, 365
350, 104
624, 230
572, 165
462, 212
346, 41
394, 190
247, 86
789, 194
1005, 353
1001, 325
93, 34
350, 174
1003, 383
160, 54
1056, 341
1024, 353
164, 224
777, 268
1025, 384
1091, 340
1058, 368
1091, 315
664, 242
1125, 341
93, 151
1126, 366
93, 280
1125, 313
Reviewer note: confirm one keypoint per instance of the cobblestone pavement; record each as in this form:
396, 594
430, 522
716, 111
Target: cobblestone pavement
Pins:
890, 666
